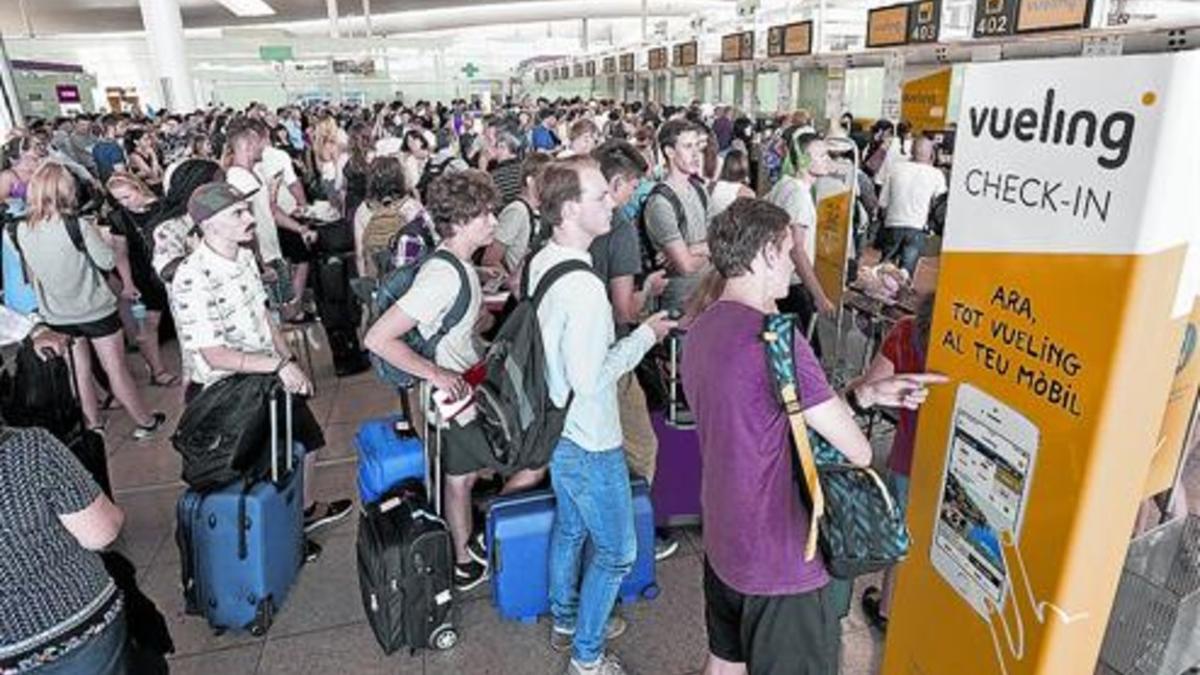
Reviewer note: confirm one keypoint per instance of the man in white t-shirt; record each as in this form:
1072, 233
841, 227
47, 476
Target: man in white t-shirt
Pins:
461, 205
794, 194
907, 197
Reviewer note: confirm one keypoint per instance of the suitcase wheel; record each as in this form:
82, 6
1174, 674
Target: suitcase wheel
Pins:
444, 638
263, 617
650, 592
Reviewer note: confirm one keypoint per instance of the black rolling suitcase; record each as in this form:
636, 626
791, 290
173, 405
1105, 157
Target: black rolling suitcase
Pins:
340, 312
405, 571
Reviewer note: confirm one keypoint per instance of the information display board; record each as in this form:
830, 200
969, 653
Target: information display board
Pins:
924, 21
793, 39
610, 65
1035, 16
656, 58
995, 17
887, 26
686, 54
627, 62
737, 47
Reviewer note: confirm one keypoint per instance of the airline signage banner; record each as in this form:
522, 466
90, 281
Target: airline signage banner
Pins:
1065, 278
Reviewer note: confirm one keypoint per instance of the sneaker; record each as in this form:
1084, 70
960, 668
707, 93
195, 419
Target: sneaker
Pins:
665, 545
605, 665
872, 605
468, 575
561, 639
141, 433
477, 549
321, 514
312, 551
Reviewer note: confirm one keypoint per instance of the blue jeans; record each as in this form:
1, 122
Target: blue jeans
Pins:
104, 654
593, 502
904, 247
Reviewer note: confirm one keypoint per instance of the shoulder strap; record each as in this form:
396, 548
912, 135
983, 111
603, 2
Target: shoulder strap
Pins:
558, 271
779, 331
698, 186
666, 192
459, 309
75, 232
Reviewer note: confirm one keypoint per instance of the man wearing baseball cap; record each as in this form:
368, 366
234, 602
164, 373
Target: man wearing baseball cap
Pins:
224, 326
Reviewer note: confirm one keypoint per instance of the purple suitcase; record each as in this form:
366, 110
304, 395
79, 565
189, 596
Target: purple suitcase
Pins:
675, 493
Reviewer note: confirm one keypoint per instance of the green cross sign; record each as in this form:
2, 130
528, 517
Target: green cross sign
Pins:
470, 70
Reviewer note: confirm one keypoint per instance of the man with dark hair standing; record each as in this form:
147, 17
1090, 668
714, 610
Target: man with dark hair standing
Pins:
461, 205
676, 212
767, 609
584, 361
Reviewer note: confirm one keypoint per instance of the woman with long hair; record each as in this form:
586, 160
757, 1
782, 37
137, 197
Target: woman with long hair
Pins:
74, 297
358, 165
733, 182
418, 148
132, 243
329, 160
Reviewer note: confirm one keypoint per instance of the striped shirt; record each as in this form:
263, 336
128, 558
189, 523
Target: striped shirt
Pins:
507, 177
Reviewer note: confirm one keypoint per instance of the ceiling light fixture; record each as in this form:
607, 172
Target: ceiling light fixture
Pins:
248, 7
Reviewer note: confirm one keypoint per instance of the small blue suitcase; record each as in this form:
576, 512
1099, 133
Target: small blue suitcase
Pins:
241, 549
386, 457
518, 541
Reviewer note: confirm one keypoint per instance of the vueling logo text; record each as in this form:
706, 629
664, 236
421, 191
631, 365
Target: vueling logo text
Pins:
1114, 133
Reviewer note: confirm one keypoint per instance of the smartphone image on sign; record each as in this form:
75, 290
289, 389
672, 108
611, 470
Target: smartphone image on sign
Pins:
989, 468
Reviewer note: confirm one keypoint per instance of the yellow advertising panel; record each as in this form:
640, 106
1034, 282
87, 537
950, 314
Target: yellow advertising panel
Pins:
887, 26
833, 242
1064, 268
924, 100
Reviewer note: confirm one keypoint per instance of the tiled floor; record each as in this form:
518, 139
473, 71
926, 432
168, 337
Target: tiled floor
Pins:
322, 629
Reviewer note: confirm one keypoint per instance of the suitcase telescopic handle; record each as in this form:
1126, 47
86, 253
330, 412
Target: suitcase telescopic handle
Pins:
287, 406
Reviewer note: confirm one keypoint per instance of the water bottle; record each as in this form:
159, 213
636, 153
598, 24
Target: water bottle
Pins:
138, 310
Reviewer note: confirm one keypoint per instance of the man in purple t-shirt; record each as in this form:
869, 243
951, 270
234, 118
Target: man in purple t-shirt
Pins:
767, 609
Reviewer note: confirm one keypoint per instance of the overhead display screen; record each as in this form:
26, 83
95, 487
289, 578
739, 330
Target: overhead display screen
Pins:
924, 21
686, 54
794, 39
737, 47
887, 26
1041, 15
657, 58
627, 63
995, 17
610, 65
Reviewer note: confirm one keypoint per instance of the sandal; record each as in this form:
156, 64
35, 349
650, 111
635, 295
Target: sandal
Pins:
157, 379
872, 601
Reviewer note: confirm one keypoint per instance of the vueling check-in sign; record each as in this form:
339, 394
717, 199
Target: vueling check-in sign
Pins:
1066, 266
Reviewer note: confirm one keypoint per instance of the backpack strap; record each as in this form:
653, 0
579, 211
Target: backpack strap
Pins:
556, 272
459, 309
75, 232
779, 331
698, 186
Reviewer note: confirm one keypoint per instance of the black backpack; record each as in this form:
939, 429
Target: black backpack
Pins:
405, 571
665, 191
518, 418
432, 171
74, 232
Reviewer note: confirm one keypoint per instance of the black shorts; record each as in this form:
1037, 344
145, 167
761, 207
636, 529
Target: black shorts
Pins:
100, 328
773, 635
466, 450
291, 244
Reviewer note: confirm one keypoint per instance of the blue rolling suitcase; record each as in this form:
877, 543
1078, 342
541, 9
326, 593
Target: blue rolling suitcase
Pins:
241, 549
387, 455
518, 542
